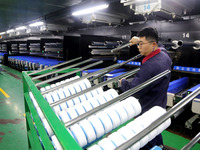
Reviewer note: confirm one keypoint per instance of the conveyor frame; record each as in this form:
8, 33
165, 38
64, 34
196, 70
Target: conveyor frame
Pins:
35, 137
36, 132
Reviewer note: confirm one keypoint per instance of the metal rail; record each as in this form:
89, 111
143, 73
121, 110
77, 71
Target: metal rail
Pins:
120, 97
160, 120
93, 88
100, 72
69, 73
131, 59
120, 47
54, 66
192, 142
79, 79
71, 66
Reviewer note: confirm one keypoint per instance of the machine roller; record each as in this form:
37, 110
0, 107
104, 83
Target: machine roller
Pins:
95, 75
71, 66
69, 73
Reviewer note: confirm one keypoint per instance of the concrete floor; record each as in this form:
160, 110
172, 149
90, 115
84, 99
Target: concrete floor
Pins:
12, 121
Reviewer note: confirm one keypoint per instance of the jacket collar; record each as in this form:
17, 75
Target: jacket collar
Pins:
151, 55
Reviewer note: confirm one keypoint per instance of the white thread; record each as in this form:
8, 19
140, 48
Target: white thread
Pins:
98, 127
79, 108
106, 144
114, 116
94, 102
64, 116
103, 117
122, 113
116, 138
78, 134
94, 147
87, 106
88, 130
72, 113
57, 145
47, 127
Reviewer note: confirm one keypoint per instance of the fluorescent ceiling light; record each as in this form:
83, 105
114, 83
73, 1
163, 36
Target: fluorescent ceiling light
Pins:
43, 28
90, 10
28, 31
9, 31
21, 28
36, 24
1, 33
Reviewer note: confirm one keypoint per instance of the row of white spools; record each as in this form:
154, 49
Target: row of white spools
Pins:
132, 129
99, 124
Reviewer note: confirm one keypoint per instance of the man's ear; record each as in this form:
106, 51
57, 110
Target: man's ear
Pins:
154, 44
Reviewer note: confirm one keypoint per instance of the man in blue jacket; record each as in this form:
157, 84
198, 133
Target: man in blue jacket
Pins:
154, 62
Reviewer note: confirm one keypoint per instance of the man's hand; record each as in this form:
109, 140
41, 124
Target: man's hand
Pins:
134, 40
120, 81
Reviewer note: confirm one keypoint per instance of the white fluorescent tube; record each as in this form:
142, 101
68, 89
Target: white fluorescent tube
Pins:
21, 28
90, 10
1, 33
9, 31
36, 24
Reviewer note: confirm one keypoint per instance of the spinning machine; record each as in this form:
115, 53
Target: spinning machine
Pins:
73, 113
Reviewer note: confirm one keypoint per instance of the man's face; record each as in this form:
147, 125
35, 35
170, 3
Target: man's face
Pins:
145, 47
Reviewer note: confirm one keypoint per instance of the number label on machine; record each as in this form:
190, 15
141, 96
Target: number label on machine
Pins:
186, 35
147, 6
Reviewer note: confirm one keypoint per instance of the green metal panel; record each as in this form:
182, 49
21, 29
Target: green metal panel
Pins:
58, 127
32, 134
64, 137
43, 135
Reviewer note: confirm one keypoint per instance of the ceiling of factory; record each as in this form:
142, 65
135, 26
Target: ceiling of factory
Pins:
15, 13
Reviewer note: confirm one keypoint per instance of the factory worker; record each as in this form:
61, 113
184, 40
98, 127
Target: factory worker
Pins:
156, 60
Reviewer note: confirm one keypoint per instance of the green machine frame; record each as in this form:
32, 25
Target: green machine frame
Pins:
38, 138
37, 135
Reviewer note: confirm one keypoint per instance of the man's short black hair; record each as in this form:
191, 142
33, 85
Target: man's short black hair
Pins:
150, 33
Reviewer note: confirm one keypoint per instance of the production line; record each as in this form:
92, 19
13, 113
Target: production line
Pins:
30, 62
100, 75
2, 57
67, 114
87, 99
87, 111
75, 99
